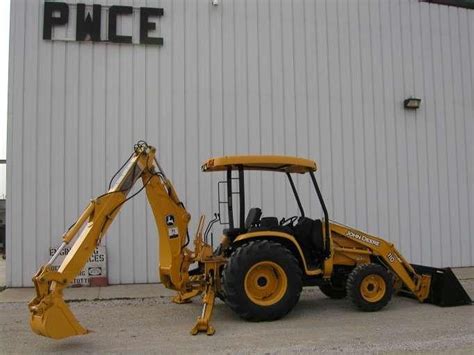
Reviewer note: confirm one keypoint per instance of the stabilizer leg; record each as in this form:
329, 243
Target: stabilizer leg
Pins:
203, 322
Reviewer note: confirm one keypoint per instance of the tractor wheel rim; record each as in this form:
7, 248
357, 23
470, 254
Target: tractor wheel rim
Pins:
265, 283
373, 288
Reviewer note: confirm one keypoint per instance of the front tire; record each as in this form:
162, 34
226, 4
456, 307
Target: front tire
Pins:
370, 287
262, 281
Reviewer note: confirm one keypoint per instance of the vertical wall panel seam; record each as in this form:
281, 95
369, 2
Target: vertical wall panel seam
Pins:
405, 172
145, 99
247, 77
159, 125
78, 140
397, 187
64, 134
172, 55
295, 111
350, 38
418, 116
417, 113
331, 168
469, 202
235, 79
385, 106
435, 122
119, 126
105, 145
222, 118
306, 95
78, 203
198, 109
427, 149
443, 112
373, 118
456, 145
308, 152
211, 116
23, 60
341, 100
37, 158
395, 208
272, 138
446, 131
185, 107
363, 116
465, 178
133, 106
145, 84
9, 153
285, 148
259, 88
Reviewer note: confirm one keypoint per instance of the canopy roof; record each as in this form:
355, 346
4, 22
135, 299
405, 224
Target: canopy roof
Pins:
279, 163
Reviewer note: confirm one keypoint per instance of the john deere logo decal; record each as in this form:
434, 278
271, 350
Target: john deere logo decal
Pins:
362, 238
170, 220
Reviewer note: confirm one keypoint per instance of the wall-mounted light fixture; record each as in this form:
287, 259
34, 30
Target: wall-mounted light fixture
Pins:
412, 103
215, 2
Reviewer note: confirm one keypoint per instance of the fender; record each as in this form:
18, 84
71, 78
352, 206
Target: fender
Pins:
268, 234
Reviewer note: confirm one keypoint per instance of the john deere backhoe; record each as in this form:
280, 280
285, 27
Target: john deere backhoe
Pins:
258, 269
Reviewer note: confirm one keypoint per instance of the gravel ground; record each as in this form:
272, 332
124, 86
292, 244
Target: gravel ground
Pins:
317, 324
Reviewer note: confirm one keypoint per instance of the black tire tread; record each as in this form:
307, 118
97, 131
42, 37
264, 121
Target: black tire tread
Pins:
333, 292
232, 275
353, 286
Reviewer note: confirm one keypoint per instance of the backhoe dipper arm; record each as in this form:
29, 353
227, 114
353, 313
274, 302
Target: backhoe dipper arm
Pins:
50, 316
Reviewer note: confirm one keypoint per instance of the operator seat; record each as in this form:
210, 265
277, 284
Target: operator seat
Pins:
253, 219
309, 234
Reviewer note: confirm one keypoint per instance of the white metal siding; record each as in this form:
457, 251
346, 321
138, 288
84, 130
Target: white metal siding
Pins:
322, 79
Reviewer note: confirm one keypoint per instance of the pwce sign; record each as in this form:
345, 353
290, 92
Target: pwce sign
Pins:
90, 21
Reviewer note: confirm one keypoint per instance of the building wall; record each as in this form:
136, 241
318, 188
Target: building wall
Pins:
319, 79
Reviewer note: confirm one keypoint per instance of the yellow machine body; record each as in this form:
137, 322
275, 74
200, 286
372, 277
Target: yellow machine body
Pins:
266, 281
352, 247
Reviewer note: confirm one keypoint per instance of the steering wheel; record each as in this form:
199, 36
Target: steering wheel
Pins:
288, 221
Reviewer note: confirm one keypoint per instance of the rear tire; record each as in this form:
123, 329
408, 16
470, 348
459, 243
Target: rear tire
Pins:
370, 287
262, 281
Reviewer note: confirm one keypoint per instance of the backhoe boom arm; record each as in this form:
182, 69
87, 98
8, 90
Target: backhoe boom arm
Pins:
50, 316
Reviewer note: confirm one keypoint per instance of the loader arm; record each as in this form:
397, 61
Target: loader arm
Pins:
348, 242
50, 316
427, 284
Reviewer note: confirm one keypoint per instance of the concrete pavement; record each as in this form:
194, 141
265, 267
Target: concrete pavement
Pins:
316, 325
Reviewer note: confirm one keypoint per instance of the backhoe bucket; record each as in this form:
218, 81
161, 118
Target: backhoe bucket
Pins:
445, 289
52, 318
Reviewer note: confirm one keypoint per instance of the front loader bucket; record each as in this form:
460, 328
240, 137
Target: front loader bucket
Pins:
445, 289
52, 318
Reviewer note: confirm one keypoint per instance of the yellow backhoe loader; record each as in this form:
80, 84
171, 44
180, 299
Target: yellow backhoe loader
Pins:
259, 267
